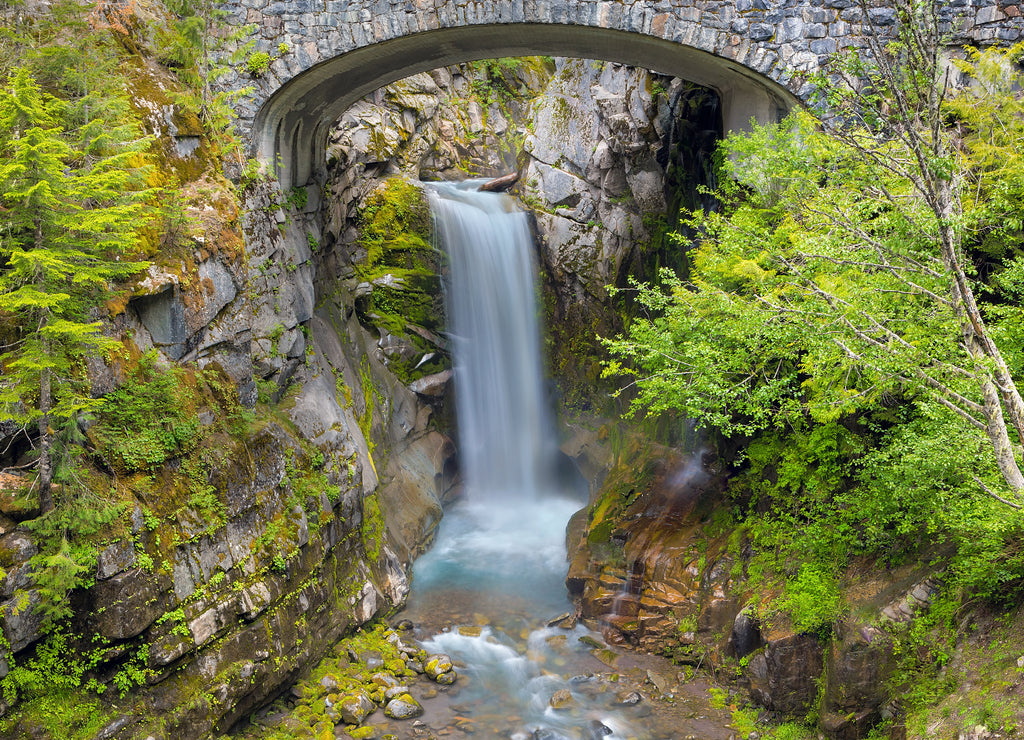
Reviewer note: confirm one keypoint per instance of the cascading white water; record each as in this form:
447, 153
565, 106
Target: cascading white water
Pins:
499, 558
505, 435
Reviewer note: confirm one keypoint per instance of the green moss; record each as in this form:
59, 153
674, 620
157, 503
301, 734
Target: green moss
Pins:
403, 269
151, 418
372, 529
342, 673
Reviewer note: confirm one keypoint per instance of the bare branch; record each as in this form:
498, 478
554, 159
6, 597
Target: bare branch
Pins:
994, 495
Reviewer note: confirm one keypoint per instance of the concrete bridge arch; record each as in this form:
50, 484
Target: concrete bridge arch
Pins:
327, 54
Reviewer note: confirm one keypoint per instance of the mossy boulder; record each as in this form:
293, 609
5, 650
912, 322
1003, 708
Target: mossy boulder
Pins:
355, 707
403, 707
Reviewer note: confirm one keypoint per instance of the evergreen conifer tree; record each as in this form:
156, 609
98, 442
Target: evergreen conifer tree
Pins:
65, 222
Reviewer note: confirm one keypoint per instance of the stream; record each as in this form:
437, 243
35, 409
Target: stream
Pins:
494, 579
484, 594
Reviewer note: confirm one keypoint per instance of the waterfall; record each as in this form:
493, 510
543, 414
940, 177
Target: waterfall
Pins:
505, 434
499, 558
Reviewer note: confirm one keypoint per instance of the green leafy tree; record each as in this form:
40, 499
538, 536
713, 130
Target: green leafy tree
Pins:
842, 272
66, 219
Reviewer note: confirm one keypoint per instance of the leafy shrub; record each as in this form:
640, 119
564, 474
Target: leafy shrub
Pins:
812, 600
150, 419
258, 63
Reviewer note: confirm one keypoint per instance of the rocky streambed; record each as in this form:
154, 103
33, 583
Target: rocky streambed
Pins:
484, 649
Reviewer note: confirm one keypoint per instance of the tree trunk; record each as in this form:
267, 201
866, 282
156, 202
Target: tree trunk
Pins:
1000, 440
45, 404
45, 442
998, 388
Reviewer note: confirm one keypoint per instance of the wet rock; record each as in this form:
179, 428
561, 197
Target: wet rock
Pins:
437, 664
660, 682
432, 386
114, 727
394, 692
562, 699
403, 707
167, 649
595, 730
253, 601
407, 649
354, 708
15, 551
13, 503
851, 726
628, 698
130, 603
20, 620
447, 678
860, 662
746, 634
384, 680
784, 677
566, 621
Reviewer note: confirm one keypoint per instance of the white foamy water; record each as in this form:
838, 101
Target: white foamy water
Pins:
496, 572
506, 443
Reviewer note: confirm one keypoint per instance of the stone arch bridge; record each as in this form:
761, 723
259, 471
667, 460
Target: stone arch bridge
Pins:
327, 54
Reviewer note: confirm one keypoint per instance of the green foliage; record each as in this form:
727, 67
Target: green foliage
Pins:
812, 600
67, 216
815, 334
134, 672
991, 115
258, 63
401, 265
55, 668
67, 550
297, 198
150, 418
190, 44
365, 419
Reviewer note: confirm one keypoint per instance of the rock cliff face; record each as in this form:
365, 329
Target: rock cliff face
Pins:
611, 154
237, 564
655, 565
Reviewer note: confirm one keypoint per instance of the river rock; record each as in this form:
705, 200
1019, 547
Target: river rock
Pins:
446, 679
403, 707
437, 664
562, 699
384, 680
354, 708
628, 698
394, 692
